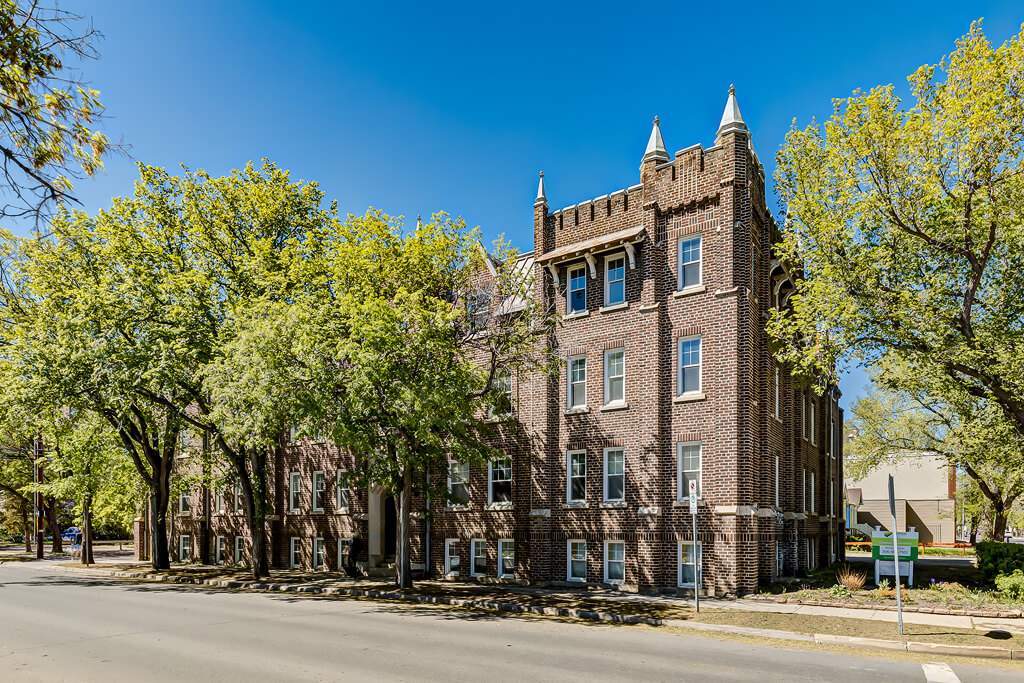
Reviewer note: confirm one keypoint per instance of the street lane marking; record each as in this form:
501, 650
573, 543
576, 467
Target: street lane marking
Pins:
937, 672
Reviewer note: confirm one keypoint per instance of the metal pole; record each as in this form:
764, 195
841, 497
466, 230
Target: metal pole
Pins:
697, 555
37, 471
896, 556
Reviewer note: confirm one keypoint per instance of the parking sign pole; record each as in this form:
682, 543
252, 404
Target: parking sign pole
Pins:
696, 546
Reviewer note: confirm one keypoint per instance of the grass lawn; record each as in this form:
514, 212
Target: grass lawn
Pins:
865, 628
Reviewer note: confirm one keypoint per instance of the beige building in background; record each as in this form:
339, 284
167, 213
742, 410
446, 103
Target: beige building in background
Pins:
925, 487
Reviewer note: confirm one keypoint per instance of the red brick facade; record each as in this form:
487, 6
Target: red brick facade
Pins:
770, 484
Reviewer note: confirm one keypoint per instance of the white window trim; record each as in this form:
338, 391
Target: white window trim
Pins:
319, 554
294, 491
614, 582
218, 552
181, 547
803, 473
473, 543
491, 412
293, 552
239, 550
568, 560
778, 394
342, 541
315, 495
679, 262
450, 543
698, 559
679, 369
568, 289
607, 283
814, 507
465, 482
185, 503
342, 485
681, 494
568, 383
608, 402
490, 484
239, 503
604, 475
814, 419
502, 574
219, 500
568, 477
777, 481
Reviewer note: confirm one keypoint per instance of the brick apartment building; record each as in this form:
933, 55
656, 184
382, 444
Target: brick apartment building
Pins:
667, 376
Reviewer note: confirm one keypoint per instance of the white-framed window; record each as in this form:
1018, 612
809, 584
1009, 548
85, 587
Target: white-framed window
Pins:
576, 295
239, 549
615, 377
499, 481
689, 380
576, 560
831, 498
812, 559
344, 551
319, 487
614, 562
319, 553
803, 479
478, 552
576, 476
689, 456
478, 309
184, 503
690, 555
451, 557
506, 558
614, 280
778, 394
777, 506
219, 500
780, 559
812, 411
294, 550
342, 491
832, 438
577, 382
502, 395
614, 474
238, 499
813, 508
218, 554
458, 482
294, 491
184, 548
690, 274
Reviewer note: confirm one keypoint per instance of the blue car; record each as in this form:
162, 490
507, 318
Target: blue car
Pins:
70, 533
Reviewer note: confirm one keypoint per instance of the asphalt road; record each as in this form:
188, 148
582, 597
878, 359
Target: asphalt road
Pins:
59, 625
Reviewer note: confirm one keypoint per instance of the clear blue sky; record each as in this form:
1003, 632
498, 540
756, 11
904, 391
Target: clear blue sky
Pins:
415, 107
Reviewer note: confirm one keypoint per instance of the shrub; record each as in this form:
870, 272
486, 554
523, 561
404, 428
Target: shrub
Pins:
839, 591
1011, 585
851, 579
995, 558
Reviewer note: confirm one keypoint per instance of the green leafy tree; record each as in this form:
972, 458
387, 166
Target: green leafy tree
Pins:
48, 113
400, 371
906, 222
975, 437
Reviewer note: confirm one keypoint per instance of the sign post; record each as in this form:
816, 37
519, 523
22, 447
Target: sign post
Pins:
696, 546
896, 555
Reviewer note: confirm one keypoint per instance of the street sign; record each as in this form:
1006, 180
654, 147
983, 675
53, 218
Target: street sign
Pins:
693, 494
697, 554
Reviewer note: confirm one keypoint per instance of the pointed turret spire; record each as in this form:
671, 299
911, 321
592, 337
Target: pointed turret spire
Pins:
731, 117
542, 198
656, 145
419, 222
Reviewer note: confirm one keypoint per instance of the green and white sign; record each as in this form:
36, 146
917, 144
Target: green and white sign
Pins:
906, 542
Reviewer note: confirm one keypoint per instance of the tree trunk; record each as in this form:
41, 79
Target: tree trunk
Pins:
402, 563
86, 549
26, 526
999, 517
159, 497
254, 492
54, 524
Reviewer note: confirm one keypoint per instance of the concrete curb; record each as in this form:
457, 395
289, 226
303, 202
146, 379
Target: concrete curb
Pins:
949, 611
584, 614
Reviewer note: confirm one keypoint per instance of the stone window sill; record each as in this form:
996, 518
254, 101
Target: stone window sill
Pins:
687, 291
689, 397
614, 307
613, 504
342, 511
457, 507
685, 503
615, 405
578, 410
499, 506
576, 315
576, 505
